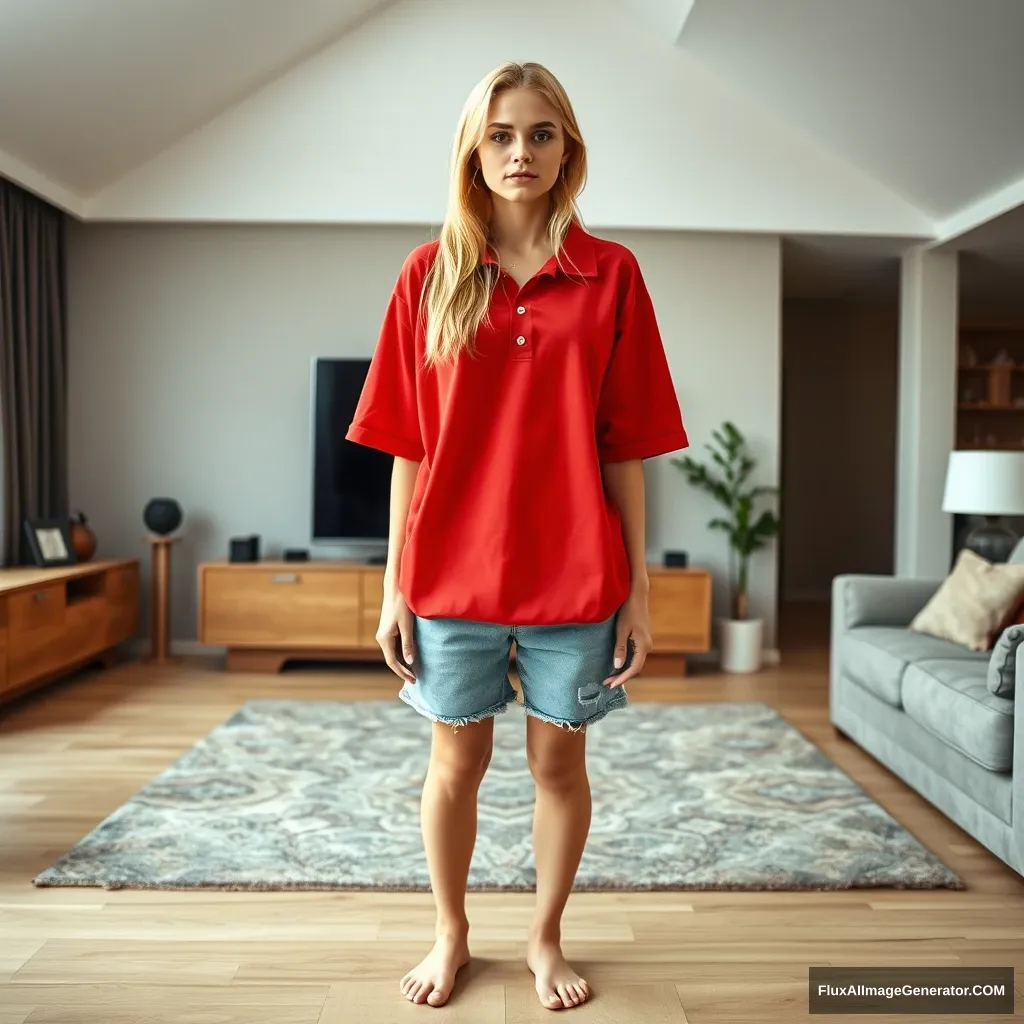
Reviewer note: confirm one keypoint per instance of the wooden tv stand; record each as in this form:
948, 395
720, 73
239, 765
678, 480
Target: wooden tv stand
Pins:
55, 620
268, 613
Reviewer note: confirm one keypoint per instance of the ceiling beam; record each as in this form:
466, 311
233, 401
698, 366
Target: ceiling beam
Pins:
989, 207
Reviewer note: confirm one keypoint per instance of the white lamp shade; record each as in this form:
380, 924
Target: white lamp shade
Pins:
985, 483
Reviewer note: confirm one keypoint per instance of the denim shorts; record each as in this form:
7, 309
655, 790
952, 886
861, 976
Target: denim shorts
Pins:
462, 671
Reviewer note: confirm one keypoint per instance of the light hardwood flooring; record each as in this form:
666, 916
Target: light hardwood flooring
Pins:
74, 752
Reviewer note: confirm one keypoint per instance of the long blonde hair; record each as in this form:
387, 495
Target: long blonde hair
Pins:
458, 286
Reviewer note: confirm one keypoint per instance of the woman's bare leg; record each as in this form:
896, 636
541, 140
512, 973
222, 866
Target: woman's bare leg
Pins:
561, 823
448, 817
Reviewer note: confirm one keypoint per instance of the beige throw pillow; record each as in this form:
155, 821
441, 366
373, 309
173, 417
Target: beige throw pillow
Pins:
973, 602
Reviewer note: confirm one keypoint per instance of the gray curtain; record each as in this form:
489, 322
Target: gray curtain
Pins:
33, 366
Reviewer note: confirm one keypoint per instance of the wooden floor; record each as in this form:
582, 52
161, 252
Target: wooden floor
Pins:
73, 753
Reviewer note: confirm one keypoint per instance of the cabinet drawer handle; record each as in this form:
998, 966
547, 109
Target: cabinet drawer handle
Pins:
285, 577
40, 595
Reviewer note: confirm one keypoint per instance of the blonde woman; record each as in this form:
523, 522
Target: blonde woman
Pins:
519, 380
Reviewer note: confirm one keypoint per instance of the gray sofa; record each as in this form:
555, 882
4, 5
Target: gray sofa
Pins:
923, 708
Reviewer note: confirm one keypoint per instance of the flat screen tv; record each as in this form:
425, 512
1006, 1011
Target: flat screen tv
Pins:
351, 482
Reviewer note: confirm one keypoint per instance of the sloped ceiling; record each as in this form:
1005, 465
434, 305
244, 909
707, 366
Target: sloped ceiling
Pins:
94, 88
927, 96
923, 96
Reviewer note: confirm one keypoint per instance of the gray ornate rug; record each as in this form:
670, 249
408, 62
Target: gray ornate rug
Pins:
325, 795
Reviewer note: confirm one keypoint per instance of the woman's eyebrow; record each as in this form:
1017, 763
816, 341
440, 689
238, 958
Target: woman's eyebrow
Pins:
539, 124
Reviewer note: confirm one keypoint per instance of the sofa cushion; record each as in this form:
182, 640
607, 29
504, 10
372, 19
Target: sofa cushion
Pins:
950, 698
1002, 666
876, 656
973, 603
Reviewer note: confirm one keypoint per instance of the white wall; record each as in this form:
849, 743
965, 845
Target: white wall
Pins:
190, 351
360, 134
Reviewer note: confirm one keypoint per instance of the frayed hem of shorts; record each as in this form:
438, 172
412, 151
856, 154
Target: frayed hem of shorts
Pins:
456, 723
620, 702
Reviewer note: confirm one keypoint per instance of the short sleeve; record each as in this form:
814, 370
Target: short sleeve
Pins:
638, 413
386, 415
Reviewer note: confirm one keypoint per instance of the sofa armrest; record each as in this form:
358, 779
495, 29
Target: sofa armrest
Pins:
866, 600
1017, 783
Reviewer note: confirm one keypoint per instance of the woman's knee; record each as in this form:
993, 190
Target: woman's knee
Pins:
461, 756
557, 757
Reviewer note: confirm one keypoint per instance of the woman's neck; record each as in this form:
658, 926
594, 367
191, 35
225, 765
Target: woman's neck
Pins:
517, 227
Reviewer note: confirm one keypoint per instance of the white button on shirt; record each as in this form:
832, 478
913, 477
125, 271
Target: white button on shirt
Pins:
521, 309
520, 340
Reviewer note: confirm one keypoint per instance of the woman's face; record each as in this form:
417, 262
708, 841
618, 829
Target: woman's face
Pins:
523, 147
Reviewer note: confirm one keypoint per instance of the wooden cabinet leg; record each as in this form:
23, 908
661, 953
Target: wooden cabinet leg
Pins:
241, 660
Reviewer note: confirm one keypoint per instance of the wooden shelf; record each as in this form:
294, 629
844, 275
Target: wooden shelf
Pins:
988, 407
988, 367
55, 620
988, 394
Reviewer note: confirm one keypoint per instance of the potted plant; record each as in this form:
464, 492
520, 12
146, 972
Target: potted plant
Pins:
747, 531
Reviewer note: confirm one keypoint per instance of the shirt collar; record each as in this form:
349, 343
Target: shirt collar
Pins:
577, 257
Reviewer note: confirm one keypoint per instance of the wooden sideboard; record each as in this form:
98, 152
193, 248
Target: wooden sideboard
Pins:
267, 613
55, 620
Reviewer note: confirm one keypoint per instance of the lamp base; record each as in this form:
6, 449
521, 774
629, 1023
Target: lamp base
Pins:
992, 541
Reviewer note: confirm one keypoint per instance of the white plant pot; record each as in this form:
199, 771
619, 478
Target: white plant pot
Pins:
740, 641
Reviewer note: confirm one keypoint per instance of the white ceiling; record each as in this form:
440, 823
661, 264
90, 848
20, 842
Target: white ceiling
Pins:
103, 85
927, 96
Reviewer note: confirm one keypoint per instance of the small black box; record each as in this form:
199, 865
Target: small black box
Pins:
296, 555
676, 559
245, 549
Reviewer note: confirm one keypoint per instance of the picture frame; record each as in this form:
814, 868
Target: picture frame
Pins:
49, 542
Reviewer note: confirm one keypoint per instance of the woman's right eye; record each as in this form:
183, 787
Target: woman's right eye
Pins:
494, 137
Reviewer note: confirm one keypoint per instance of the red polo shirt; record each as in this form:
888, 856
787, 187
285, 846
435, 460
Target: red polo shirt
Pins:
509, 520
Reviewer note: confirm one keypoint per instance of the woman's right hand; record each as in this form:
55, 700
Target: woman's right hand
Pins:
395, 633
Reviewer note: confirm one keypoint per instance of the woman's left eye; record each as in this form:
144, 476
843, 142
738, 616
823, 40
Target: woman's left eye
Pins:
500, 137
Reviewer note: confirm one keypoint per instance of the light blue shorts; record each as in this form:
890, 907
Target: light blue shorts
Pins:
462, 671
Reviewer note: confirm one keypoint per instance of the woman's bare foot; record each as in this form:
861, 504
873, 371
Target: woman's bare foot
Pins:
432, 979
558, 985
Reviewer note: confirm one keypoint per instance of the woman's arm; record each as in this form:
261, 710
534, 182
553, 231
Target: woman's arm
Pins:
403, 481
625, 485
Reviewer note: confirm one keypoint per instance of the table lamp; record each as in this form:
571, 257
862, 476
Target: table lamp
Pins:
989, 484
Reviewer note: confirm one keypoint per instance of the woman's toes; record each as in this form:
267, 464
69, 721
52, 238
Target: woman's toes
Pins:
437, 997
553, 999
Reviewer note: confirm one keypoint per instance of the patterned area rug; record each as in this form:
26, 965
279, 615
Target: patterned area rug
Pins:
325, 795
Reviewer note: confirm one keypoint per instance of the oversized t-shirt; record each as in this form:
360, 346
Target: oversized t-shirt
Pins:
510, 521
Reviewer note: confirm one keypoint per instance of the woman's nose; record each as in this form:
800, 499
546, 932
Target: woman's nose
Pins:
522, 152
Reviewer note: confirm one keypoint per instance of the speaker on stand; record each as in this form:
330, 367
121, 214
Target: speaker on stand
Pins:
162, 516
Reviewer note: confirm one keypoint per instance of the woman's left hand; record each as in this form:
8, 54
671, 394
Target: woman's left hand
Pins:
633, 622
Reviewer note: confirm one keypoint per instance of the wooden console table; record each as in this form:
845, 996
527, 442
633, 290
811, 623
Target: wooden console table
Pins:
267, 613
55, 620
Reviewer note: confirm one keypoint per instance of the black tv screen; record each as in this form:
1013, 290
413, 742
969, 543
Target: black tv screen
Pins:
351, 482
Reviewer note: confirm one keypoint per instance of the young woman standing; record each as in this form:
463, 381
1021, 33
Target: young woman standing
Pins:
519, 381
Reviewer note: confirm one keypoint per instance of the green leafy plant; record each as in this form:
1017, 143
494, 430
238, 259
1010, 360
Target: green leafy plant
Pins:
728, 485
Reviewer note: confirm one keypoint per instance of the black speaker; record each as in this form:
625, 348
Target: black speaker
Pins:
676, 559
296, 555
245, 549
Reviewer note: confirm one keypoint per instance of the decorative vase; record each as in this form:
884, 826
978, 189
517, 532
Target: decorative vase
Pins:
162, 516
83, 539
740, 643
